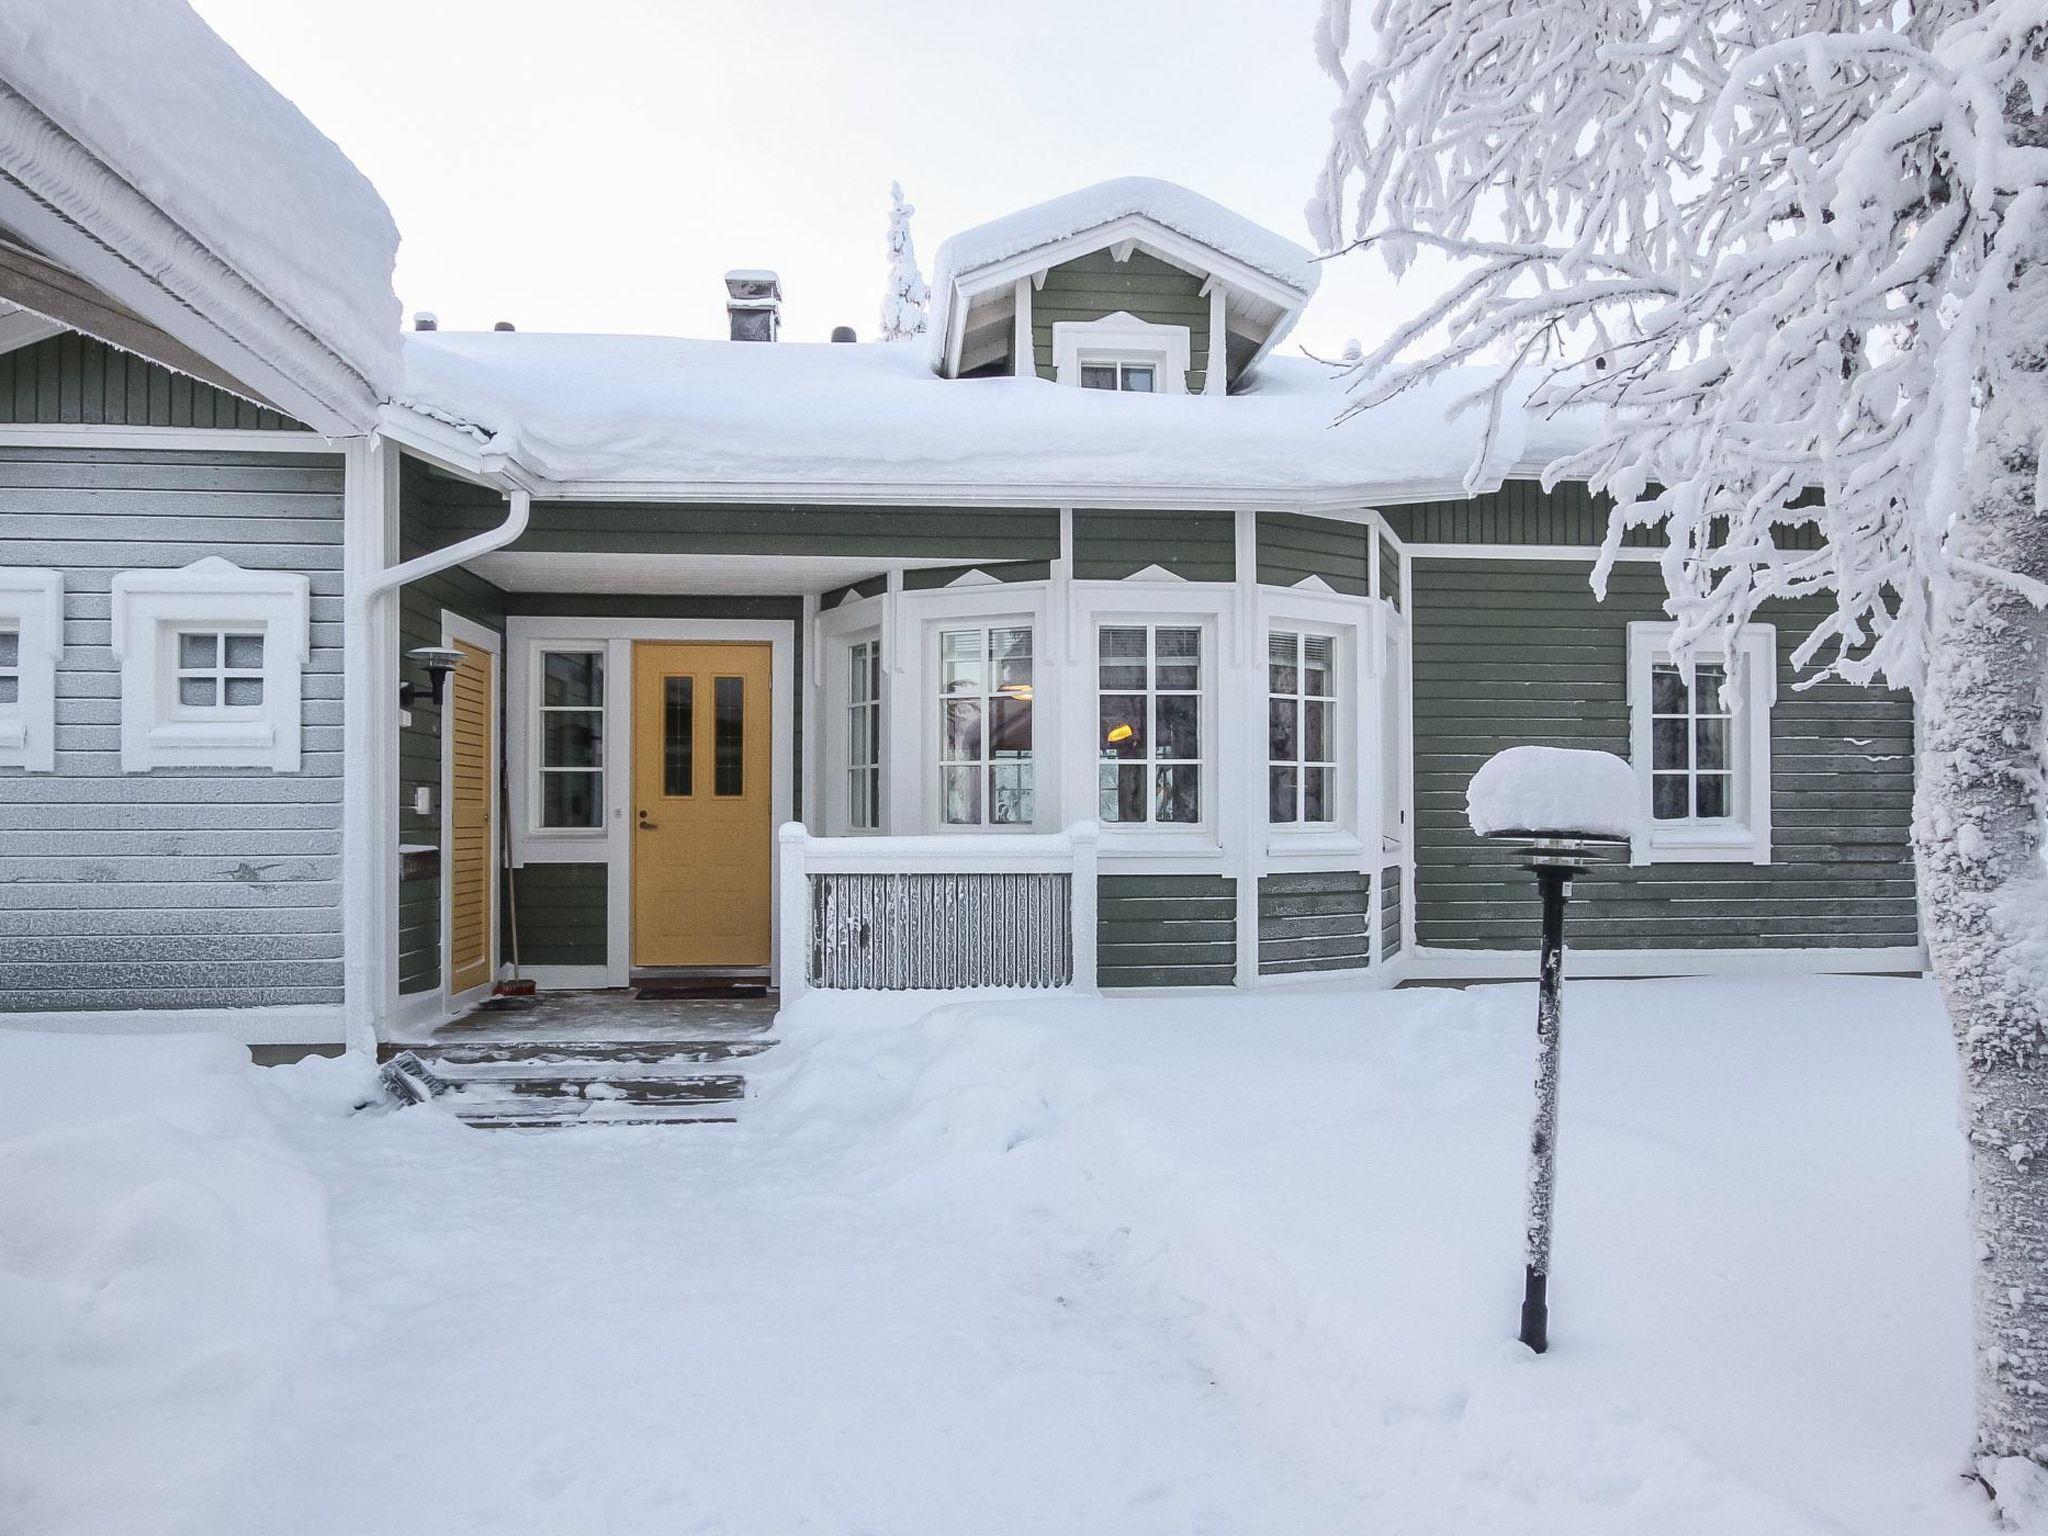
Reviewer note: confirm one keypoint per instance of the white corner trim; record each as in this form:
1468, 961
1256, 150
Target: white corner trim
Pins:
1123, 338
32, 604
150, 606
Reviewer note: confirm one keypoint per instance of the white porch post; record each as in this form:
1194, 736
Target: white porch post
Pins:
1087, 840
793, 967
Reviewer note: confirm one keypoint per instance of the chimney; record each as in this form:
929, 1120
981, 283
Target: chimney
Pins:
753, 303
425, 320
845, 333
503, 325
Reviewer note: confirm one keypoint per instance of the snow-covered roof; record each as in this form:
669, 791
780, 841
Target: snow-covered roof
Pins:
150, 91
815, 420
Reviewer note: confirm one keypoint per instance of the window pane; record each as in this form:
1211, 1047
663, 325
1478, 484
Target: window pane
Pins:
1318, 738
1667, 690
572, 678
960, 669
1010, 650
1713, 795
1178, 654
1668, 797
859, 807
1010, 794
1282, 738
10, 690
1280, 786
1098, 376
728, 735
1122, 719
245, 653
678, 736
569, 799
1121, 654
1123, 792
1281, 650
197, 692
198, 650
1710, 678
960, 796
1179, 793
962, 741
571, 738
1711, 735
245, 692
1668, 744
10, 647
1318, 668
1317, 802
1138, 380
1009, 727
1180, 734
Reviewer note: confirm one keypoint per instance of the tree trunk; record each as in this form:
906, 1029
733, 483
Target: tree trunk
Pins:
1983, 896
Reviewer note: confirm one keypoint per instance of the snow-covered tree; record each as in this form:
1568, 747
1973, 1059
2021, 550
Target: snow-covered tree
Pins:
905, 299
1773, 248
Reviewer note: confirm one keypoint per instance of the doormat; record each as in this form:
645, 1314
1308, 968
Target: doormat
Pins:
689, 991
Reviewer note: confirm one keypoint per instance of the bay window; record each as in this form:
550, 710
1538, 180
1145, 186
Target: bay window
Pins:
1149, 724
985, 700
1301, 728
864, 735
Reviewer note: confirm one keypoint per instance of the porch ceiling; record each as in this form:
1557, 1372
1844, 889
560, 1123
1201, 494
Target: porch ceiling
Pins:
746, 575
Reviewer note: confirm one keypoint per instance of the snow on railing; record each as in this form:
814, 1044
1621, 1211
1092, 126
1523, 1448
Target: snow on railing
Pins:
904, 913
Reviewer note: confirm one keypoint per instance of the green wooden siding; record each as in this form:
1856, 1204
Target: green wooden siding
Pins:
562, 914
1314, 922
1292, 548
75, 380
1166, 931
1522, 512
1092, 286
1390, 912
1390, 573
1199, 546
1518, 651
928, 577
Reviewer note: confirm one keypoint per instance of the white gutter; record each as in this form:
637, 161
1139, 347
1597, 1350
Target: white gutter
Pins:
435, 560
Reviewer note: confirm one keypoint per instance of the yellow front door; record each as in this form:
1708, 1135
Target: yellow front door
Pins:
472, 826
703, 830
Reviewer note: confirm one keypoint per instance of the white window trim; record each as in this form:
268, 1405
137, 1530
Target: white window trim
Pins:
1746, 837
1123, 338
32, 604
536, 843
1208, 696
838, 631
1350, 621
150, 607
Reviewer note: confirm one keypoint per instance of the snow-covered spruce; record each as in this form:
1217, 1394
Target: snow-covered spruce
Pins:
1783, 249
1553, 789
906, 297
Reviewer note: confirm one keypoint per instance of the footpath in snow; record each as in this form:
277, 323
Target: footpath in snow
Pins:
1018, 1266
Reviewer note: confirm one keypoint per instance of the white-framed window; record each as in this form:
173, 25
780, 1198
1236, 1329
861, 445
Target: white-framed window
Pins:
212, 658
864, 734
985, 704
1302, 742
569, 719
1700, 742
31, 641
1122, 352
1148, 714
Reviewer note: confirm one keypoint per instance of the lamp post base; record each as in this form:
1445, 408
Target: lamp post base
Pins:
1535, 1311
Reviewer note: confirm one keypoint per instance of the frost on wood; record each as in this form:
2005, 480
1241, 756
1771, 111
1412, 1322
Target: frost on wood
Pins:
1790, 254
1554, 789
905, 299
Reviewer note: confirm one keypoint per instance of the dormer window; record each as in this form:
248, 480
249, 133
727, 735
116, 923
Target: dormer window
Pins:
1122, 352
1135, 378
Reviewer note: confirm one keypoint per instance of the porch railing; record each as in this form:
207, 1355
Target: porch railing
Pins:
937, 913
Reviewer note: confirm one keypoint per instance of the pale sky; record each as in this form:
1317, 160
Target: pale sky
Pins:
598, 165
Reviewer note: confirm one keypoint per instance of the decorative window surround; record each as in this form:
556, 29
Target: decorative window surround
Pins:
152, 608
32, 613
1122, 338
1744, 835
1352, 624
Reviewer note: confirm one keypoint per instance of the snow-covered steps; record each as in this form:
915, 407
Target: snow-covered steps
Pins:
544, 1084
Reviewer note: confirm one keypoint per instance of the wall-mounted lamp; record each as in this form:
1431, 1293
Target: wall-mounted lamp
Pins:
439, 660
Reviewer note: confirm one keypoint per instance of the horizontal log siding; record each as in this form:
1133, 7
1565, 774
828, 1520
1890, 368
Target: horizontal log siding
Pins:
1292, 548
72, 380
1390, 912
1197, 546
182, 888
1314, 922
1166, 931
425, 523
1092, 286
562, 916
1518, 651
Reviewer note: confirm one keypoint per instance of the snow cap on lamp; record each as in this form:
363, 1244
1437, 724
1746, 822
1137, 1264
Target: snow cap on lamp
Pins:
1554, 790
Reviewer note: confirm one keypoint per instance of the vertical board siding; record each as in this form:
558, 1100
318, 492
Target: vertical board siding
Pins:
1292, 548
904, 932
1092, 286
1166, 931
561, 914
1390, 912
1520, 512
1390, 574
1314, 922
1507, 652
1197, 546
185, 887
73, 380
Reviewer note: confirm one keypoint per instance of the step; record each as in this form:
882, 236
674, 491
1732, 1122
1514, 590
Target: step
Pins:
563, 1055
540, 1085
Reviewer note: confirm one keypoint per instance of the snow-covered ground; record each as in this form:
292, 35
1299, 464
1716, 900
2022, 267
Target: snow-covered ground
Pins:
1204, 1265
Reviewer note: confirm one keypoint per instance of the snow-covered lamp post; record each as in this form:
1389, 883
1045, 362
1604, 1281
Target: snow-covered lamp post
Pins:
1566, 806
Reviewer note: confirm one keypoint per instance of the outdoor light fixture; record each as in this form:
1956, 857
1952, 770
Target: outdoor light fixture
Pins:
1567, 808
439, 660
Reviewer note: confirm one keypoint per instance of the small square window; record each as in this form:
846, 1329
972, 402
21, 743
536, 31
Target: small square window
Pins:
219, 673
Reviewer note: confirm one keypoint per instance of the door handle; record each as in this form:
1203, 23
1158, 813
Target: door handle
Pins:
645, 824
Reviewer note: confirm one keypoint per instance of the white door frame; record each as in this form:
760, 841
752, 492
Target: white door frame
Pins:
454, 627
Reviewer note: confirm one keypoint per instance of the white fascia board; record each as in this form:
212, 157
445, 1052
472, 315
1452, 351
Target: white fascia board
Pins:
460, 453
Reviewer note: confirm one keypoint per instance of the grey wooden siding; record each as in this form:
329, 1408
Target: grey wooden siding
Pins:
1314, 922
1092, 286
72, 379
181, 888
1199, 546
1292, 547
1518, 651
1166, 931
561, 915
1390, 912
